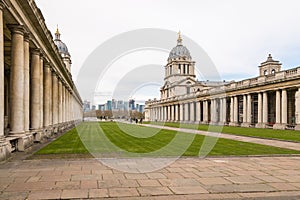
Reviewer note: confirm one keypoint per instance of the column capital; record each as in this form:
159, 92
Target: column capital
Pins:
47, 64
16, 29
27, 36
36, 51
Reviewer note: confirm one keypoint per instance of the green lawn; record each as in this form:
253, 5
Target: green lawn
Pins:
289, 135
116, 139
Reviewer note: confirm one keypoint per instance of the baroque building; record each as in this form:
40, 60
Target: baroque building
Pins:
38, 95
271, 100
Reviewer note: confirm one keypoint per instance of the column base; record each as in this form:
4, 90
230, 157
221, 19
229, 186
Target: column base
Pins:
279, 126
260, 125
233, 124
297, 127
20, 142
246, 125
5, 152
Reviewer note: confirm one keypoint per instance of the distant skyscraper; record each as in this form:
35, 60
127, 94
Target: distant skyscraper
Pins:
86, 106
113, 104
101, 107
120, 105
126, 105
131, 104
109, 105
141, 108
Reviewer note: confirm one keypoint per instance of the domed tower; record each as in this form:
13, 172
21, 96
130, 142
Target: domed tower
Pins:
63, 50
180, 69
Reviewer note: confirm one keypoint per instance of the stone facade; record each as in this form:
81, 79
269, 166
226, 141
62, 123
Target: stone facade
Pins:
38, 95
271, 100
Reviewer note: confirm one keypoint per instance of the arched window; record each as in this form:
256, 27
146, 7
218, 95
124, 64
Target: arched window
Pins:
170, 69
266, 72
273, 71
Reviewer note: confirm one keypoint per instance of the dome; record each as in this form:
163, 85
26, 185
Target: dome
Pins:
62, 47
180, 50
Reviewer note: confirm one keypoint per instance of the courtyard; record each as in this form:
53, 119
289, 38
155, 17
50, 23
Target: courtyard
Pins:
114, 160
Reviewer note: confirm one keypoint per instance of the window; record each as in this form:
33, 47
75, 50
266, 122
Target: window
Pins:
266, 72
188, 90
170, 69
273, 71
183, 69
179, 69
188, 69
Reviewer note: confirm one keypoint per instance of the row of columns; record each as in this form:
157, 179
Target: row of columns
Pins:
218, 112
38, 98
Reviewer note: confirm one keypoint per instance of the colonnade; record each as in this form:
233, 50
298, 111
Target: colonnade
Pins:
38, 97
244, 109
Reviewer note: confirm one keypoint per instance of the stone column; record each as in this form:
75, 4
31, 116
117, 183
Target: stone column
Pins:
186, 112
17, 81
259, 110
47, 96
212, 111
50, 100
35, 91
297, 109
165, 113
59, 101
249, 109
26, 84
176, 113
54, 98
171, 113
278, 108
235, 112
244, 109
4, 151
198, 111
205, 111
265, 108
42, 92
284, 108
1, 78
181, 112
192, 111
231, 111
64, 104
225, 110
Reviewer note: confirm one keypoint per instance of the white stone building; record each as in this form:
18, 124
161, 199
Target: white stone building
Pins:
270, 100
38, 97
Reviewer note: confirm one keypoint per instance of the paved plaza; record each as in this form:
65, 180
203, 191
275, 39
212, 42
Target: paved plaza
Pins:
186, 178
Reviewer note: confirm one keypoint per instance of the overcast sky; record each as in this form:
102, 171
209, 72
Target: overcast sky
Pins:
237, 35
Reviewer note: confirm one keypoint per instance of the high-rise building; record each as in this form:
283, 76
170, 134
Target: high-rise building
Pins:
108, 105
86, 106
101, 107
131, 104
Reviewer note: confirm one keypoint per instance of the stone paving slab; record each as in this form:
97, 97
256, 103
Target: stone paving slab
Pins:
186, 178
